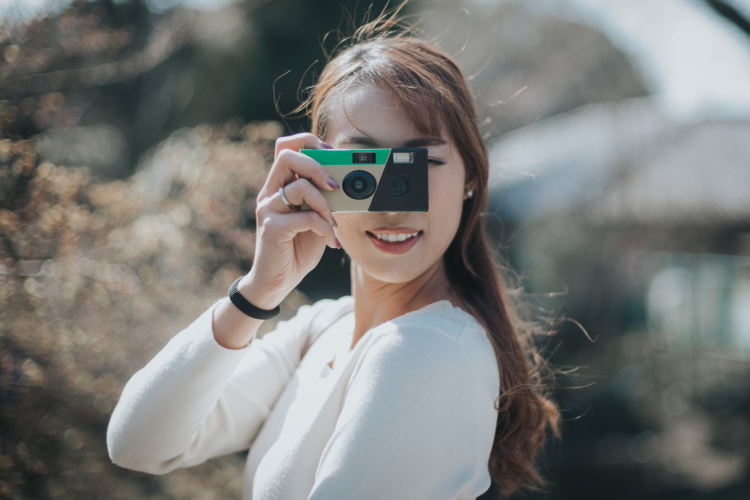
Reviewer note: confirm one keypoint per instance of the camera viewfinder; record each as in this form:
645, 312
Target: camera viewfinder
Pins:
364, 157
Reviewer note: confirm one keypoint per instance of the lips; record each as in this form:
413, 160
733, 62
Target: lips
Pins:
394, 240
393, 237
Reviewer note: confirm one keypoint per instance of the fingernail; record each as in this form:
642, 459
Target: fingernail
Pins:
333, 223
326, 145
331, 182
338, 244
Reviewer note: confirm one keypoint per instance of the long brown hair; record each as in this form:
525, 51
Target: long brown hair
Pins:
430, 88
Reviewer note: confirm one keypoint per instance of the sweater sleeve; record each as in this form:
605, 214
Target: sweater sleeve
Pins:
196, 399
412, 425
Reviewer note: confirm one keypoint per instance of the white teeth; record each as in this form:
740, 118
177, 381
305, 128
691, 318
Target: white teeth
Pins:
395, 237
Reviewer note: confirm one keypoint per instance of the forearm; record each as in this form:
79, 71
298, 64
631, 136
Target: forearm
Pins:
232, 328
166, 404
197, 399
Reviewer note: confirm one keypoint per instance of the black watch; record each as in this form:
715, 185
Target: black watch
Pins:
246, 307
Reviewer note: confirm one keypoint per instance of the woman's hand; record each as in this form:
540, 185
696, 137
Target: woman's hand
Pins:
288, 243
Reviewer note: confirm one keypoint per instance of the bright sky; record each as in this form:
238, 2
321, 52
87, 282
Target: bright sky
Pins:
694, 60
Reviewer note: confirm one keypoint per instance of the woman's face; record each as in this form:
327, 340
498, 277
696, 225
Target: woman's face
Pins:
367, 237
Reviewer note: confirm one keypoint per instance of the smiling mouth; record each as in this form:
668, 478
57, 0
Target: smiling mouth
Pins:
394, 242
392, 237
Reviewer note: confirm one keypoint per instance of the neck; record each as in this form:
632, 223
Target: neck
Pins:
376, 302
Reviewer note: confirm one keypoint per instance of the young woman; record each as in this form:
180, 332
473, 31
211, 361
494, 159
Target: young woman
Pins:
422, 384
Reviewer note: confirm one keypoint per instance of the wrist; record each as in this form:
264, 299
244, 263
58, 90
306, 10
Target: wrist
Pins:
257, 294
231, 328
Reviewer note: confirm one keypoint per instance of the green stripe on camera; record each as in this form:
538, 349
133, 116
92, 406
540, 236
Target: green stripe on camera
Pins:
347, 156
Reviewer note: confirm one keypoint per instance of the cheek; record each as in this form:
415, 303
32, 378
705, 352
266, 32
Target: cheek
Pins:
446, 198
349, 230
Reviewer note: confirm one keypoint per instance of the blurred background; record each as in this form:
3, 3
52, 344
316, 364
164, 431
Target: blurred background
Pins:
135, 135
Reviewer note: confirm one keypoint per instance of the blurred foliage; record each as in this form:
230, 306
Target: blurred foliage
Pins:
49, 67
96, 275
119, 70
95, 278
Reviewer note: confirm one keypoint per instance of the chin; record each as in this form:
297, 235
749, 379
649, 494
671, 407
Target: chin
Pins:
392, 274
394, 268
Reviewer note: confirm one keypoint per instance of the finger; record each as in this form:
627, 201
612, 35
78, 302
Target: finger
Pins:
291, 164
299, 141
301, 191
291, 224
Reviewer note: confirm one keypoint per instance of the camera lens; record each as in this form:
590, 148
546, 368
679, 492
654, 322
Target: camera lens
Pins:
359, 185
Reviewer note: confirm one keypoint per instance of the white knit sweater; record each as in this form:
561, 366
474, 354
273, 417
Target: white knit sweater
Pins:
407, 414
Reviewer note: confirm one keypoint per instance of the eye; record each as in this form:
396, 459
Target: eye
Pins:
435, 161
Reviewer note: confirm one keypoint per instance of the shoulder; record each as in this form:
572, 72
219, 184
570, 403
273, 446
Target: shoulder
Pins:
436, 339
444, 328
430, 376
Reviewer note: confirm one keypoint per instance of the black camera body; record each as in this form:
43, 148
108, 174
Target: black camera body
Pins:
375, 180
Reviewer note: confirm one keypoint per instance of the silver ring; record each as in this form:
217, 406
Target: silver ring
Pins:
286, 202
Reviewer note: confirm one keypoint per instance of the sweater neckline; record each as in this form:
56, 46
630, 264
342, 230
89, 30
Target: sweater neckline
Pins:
440, 304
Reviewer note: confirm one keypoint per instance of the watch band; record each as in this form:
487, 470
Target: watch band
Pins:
246, 307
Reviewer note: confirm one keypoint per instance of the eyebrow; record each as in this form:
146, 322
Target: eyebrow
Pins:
419, 142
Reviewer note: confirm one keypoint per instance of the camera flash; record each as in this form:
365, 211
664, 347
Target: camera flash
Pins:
403, 157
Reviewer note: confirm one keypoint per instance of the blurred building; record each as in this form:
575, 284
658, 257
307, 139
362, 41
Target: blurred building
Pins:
660, 187
639, 210
644, 220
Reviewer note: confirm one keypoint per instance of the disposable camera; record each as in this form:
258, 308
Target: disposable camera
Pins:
375, 180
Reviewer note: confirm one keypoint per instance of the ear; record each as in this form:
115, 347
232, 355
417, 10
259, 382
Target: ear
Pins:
469, 189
